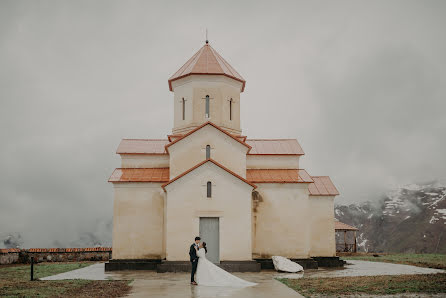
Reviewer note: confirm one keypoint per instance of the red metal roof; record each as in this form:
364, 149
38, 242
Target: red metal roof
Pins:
322, 186
274, 147
259, 146
278, 176
202, 163
140, 175
142, 146
344, 227
207, 62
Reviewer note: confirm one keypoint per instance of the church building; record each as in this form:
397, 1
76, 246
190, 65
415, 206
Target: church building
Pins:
248, 199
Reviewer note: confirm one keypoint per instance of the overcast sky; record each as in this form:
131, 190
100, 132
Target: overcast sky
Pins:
361, 85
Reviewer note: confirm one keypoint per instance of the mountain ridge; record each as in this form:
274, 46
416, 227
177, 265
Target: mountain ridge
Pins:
407, 219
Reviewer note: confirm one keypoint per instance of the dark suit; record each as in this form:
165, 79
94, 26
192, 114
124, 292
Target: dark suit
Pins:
194, 261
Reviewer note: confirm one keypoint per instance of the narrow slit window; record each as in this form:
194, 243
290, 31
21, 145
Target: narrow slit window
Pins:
209, 189
208, 151
207, 106
230, 109
184, 108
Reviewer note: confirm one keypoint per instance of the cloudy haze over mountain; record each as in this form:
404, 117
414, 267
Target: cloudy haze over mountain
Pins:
360, 84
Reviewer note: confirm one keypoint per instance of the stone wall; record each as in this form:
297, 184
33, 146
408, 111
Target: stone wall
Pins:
9, 256
15, 255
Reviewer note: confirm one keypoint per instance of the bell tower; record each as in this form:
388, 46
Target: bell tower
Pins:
206, 88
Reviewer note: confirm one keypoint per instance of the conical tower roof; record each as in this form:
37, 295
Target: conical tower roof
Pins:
207, 62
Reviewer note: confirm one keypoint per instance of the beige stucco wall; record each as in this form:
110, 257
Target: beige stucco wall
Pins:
187, 202
272, 162
144, 161
194, 89
192, 150
281, 220
138, 215
322, 226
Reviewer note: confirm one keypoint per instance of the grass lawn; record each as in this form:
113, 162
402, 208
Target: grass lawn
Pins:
372, 285
421, 260
14, 282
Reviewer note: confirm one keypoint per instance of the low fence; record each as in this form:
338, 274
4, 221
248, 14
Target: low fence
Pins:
16, 255
345, 247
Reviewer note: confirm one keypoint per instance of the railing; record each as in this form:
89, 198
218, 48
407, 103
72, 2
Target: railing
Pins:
345, 247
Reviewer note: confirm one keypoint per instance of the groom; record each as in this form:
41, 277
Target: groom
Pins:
194, 259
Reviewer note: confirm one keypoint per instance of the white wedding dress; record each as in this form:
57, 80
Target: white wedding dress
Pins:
209, 274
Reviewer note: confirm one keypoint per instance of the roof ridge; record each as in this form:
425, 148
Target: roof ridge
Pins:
202, 163
226, 64
188, 62
200, 127
207, 61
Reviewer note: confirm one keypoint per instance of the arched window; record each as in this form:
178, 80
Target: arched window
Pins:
184, 108
209, 189
208, 151
230, 109
207, 106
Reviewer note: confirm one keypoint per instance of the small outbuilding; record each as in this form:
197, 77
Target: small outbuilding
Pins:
341, 227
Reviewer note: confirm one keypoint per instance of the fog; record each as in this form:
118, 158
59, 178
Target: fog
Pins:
360, 84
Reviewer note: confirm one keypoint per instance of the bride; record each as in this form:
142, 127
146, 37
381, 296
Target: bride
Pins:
209, 274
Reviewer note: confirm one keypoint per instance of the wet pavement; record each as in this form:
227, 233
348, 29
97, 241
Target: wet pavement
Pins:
152, 284
366, 268
92, 272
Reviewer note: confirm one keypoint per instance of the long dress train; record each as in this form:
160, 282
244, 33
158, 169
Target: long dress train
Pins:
208, 274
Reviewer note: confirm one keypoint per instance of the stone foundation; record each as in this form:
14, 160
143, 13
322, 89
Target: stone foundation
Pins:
305, 263
134, 264
329, 261
9, 256
230, 266
311, 263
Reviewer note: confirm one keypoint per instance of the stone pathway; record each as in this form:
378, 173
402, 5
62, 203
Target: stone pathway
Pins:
152, 284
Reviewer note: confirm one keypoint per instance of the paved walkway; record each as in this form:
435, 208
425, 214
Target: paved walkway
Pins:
152, 284
92, 272
366, 268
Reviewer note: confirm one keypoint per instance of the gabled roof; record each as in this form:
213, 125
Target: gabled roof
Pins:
142, 146
140, 175
340, 226
278, 176
322, 186
274, 147
207, 62
202, 163
200, 127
